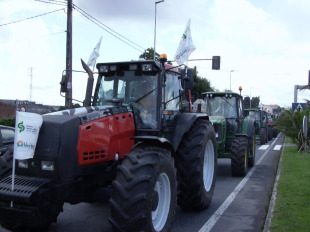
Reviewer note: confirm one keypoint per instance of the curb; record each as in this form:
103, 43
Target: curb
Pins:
274, 195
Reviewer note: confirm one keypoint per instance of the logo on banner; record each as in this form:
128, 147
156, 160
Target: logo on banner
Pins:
21, 127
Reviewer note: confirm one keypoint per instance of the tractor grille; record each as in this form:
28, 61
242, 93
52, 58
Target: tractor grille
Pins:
93, 155
24, 188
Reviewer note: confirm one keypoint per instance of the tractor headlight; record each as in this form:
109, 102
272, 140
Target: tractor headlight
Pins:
22, 163
47, 165
147, 67
104, 68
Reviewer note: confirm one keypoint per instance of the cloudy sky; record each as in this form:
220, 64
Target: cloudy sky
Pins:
265, 42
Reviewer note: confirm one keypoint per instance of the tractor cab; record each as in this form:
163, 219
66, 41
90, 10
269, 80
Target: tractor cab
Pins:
225, 105
151, 90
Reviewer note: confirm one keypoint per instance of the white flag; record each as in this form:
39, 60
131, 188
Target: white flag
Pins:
186, 46
27, 129
94, 55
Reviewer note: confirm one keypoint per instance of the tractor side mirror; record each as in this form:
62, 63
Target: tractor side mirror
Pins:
216, 62
187, 79
63, 83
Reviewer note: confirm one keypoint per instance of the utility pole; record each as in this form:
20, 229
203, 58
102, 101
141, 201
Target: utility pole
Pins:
68, 99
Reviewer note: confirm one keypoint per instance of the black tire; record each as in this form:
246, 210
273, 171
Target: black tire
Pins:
196, 165
262, 136
51, 216
136, 203
269, 133
239, 157
251, 150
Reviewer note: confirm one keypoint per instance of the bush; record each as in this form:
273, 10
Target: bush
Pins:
7, 121
291, 123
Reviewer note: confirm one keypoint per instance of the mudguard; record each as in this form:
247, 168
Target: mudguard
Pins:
248, 126
183, 125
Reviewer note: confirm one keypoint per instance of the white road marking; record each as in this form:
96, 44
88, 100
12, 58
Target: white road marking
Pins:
263, 147
220, 211
277, 147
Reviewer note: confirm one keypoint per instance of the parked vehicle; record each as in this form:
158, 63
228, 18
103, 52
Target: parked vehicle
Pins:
6, 149
136, 142
262, 130
235, 134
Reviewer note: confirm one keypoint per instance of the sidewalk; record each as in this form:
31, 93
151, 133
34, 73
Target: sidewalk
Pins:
248, 210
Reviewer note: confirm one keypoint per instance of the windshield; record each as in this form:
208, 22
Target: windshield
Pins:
255, 115
221, 106
130, 89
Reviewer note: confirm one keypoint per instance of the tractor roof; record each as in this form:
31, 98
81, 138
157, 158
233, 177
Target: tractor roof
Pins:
222, 94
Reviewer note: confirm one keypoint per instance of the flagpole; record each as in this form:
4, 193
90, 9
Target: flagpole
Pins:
13, 178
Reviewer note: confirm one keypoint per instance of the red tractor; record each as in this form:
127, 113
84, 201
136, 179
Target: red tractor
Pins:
135, 142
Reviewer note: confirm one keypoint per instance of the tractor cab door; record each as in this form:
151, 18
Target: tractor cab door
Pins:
172, 98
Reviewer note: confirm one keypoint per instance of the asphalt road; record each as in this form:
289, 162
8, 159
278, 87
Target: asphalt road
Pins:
238, 204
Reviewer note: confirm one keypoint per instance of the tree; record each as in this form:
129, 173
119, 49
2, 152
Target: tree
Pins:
200, 85
255, 102
148, 54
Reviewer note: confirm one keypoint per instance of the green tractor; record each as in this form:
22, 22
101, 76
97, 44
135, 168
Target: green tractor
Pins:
261, 127
235, 134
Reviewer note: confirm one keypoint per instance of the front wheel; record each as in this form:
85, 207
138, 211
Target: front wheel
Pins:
239, 157
196, 164
144, 191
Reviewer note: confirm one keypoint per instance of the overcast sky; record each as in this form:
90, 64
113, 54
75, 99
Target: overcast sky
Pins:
265, 42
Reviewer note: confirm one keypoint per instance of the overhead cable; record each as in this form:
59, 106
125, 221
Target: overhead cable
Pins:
17, 21
108, 29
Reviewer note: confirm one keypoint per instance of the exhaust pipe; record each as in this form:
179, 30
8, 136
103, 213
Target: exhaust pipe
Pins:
90, 83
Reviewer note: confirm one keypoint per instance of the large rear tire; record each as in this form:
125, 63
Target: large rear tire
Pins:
144, 191
239, 157
269, 133
196, 165
251, 150
263, 136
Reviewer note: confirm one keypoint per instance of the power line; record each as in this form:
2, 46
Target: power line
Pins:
98, 23
60, 3
17, 21
110, 32
91, 18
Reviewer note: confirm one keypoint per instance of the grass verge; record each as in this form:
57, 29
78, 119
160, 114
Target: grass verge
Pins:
292, 206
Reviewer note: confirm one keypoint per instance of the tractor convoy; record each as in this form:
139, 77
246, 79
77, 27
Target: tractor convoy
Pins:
136, 142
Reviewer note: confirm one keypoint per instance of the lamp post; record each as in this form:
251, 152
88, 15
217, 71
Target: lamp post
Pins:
155, 27
230, 78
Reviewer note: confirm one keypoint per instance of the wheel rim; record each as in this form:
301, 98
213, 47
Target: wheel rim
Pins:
208, 166
160, 214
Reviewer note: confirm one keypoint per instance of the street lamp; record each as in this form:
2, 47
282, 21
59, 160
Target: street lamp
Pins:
230, 78
155, 27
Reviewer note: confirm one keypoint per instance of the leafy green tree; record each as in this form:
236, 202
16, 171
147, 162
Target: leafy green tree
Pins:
255, 102
8, 121
148, 54
200, 84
